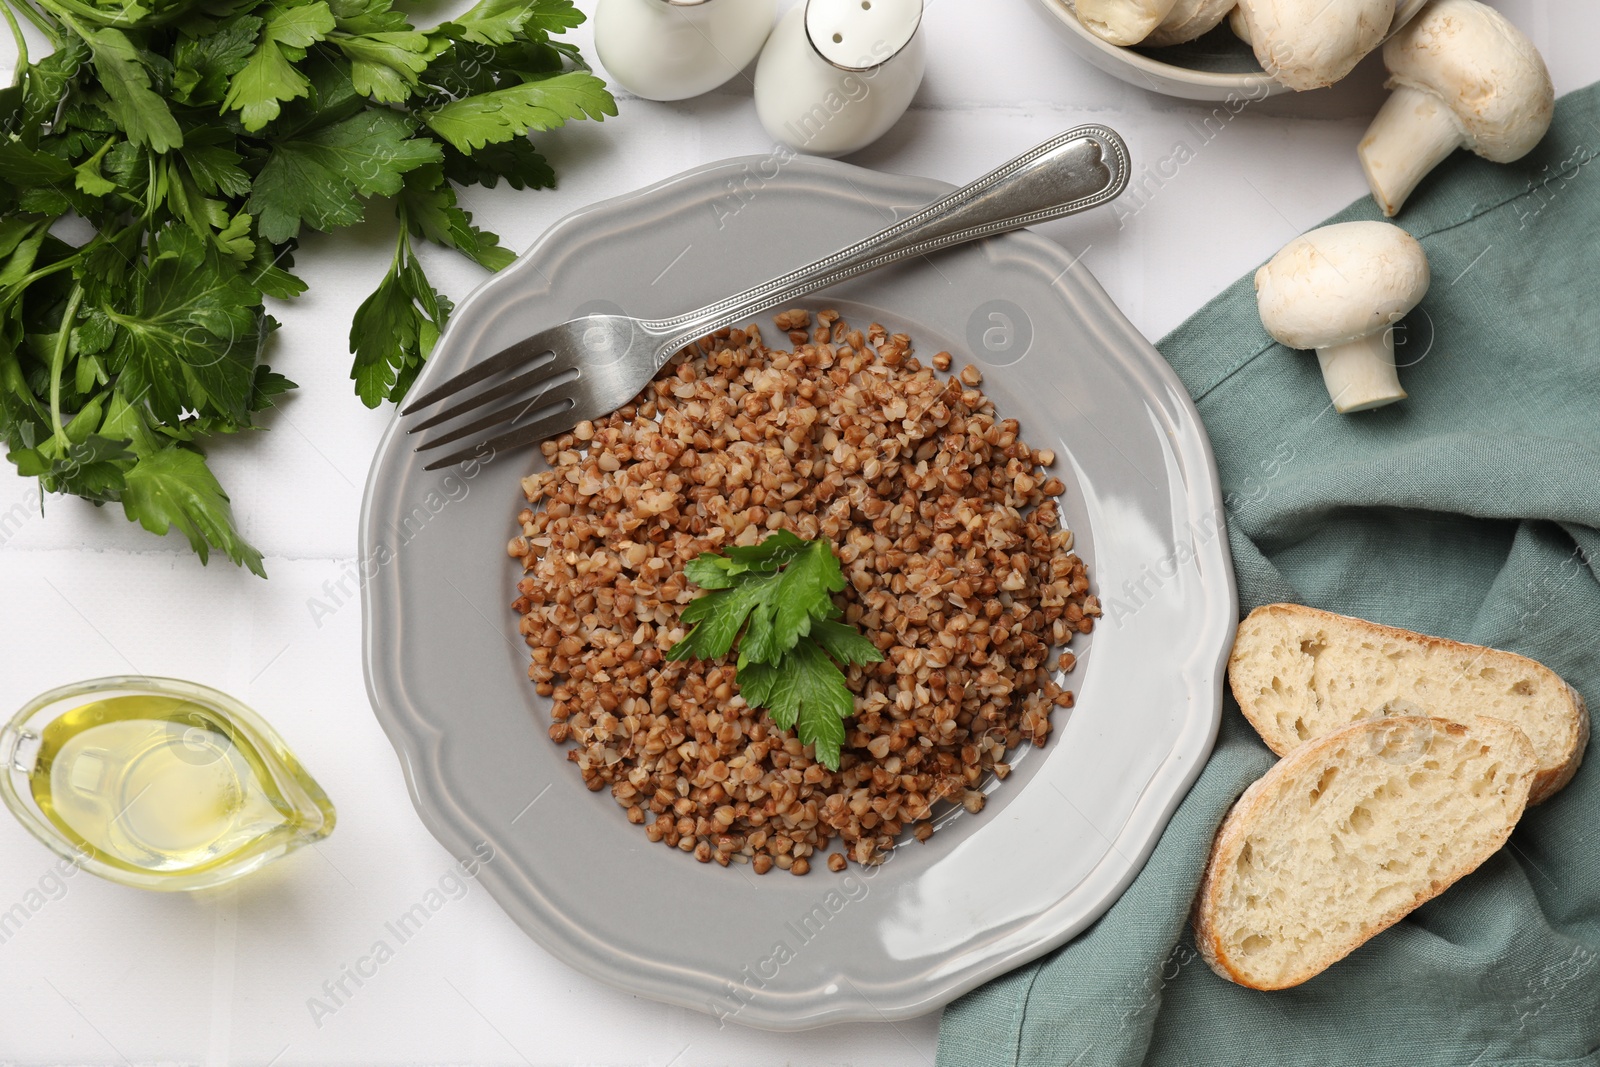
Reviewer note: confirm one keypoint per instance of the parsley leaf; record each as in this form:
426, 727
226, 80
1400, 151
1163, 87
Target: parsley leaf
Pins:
718, 618
516, 160
428, 207
192, 339
22, 165
395, 329
384, 66
804, 692
774, 598
88, 177
214, 165
138, 109
174, 487
498, 22
386, 54
270, 274
772, 592
844, 643
203, 66
554, 16
800, 594
91, 468
269, 385
712, 571
489, 118
270, 75
320, 180
45, 89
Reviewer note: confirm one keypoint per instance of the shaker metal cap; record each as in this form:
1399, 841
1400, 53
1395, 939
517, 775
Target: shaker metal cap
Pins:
861, 34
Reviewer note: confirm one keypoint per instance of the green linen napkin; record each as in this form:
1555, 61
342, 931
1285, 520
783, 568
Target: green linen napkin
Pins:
1470, 510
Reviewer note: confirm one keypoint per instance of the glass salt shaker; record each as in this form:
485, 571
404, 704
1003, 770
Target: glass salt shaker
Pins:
675, 49
836, 74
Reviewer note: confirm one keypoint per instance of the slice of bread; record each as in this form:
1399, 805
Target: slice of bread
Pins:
1299, 673
1349, 833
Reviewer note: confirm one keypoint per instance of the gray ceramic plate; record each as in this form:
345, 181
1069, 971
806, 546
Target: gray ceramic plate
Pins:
1059, 839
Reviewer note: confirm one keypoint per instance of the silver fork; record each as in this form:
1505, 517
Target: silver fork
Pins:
586, 368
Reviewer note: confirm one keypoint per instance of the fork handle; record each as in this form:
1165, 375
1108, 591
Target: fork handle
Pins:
1078, 170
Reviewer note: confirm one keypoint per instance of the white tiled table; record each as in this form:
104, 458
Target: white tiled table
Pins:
99, 974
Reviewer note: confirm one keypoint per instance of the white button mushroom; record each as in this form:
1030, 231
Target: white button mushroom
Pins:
1463, 77
1339, 290
1187, 20
1122, 21
1307, 44
1236, 23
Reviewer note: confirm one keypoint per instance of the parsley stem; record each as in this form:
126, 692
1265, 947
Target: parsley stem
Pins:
150, 202
19, 287
35, 16
402, 245
58, 359
66, 9
21, 42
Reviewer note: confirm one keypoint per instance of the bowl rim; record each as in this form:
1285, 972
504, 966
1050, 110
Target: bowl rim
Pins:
1129, 59
1127, 55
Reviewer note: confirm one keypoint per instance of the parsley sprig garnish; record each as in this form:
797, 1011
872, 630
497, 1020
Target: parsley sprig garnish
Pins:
775, 600
198, 139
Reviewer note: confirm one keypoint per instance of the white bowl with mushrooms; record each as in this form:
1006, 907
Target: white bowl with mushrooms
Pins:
1193, 48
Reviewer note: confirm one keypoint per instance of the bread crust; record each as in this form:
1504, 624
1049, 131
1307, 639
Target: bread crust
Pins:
1549, 782
1548, 779
1246, 812
1229, 834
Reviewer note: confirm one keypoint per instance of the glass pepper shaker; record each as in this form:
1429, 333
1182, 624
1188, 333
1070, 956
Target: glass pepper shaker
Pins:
836, 74
675, 49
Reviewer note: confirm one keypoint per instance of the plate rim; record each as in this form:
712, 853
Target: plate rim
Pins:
416, 739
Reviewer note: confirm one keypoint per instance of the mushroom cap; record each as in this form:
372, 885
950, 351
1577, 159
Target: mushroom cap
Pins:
1239, 24
1187, 20
1486, 71
1307, 44
1341, 283
1121, 22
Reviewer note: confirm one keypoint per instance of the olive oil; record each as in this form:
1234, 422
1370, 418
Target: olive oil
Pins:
175, 792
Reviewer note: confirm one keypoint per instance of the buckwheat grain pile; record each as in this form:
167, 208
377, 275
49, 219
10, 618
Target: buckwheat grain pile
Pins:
947, 530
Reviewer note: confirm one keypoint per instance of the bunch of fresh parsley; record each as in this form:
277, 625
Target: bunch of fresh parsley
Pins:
778, 595
196, 139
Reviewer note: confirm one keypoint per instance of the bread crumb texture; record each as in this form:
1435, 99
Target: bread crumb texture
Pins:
1300, 674
1351, 832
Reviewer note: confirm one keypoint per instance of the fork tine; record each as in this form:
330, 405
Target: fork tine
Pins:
544, 372
549, 426
503, 360
509, 413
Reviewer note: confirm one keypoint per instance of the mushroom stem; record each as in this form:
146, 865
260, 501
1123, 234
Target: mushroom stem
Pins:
1413, 133
1360, 374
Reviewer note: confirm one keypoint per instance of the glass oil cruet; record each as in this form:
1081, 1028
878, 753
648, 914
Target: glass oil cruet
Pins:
157, 783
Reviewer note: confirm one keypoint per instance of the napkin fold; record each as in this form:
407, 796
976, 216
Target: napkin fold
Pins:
1470, 510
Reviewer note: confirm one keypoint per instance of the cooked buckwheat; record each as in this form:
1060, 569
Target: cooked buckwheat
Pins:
950, 540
